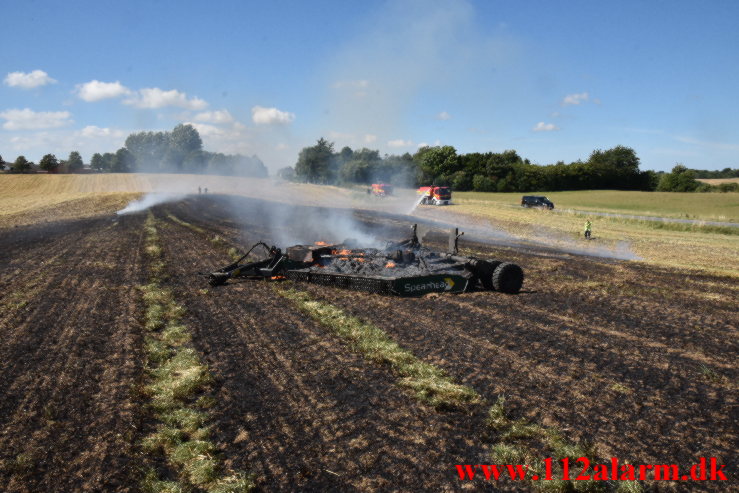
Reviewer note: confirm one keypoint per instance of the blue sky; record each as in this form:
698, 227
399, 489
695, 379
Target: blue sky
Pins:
552, 80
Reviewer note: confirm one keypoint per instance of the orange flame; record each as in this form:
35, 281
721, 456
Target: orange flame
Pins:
321, 243
277, 278
342, 252
390, 265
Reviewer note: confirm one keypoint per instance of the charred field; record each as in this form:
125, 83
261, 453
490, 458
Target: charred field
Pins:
622, 358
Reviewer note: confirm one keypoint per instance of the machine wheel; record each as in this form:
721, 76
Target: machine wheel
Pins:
217, 278
508, 278
485, 272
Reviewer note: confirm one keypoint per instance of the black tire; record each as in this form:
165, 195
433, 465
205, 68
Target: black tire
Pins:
485, 271
508, 278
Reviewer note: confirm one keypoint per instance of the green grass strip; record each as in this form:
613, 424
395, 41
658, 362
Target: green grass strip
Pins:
429, 383
215, 240
177, 380
518, 441
522, 442
179, 221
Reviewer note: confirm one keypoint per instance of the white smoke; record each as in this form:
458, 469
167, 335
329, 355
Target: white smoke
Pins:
404, 49
539, 237
302, 218
150, 200
415, 204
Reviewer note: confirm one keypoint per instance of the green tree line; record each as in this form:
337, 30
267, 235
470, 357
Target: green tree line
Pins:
683, 179
616, 168
178, 151
724, 173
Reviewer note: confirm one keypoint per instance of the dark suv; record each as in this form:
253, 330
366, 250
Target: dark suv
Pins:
536, 201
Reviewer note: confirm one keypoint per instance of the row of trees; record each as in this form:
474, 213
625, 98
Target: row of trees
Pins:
181, 151
320, 164
724, 173
616, 168
178, 151
72, 164
48, 163
682, 179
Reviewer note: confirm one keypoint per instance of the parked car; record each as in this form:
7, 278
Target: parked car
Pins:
536, 201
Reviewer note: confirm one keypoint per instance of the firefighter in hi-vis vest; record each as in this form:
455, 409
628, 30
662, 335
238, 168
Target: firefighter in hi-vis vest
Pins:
587, 230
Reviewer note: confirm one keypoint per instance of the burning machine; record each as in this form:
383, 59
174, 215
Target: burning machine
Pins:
405, 268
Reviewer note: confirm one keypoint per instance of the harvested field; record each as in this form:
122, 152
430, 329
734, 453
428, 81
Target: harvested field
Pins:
637, 359
718, 181
69, 320
629, 356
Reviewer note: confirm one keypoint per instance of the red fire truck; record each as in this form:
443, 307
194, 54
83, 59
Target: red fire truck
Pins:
435, 195
382, 189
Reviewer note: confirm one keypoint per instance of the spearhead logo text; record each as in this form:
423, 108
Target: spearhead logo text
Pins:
445, 285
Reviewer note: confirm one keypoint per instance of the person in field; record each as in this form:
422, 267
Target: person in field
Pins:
587, 231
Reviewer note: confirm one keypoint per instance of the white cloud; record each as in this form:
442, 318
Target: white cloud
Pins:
443, 116
369, 138
545, 127
27, 119
92, 131
220, 116
400, 143
206, 130
28, 81
269, 116
96, 91
153, 97
574, 99
436, 143
233, 138
87, 141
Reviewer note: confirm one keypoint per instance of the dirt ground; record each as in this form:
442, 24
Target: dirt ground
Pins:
70, 356
639, 360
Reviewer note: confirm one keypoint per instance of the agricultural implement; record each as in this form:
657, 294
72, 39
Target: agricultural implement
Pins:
404, 268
